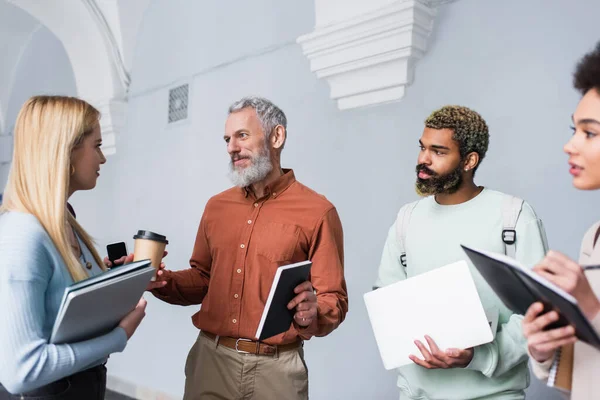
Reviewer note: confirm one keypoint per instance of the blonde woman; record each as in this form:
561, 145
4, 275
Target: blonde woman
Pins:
43, 250
584, 158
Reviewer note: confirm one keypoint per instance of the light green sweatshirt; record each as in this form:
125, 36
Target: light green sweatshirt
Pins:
498, 369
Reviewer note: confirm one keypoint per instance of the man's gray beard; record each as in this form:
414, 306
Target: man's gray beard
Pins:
257, 171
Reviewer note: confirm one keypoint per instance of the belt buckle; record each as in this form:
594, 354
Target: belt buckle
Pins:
236, 345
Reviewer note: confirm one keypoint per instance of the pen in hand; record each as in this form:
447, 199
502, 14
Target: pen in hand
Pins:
590, 267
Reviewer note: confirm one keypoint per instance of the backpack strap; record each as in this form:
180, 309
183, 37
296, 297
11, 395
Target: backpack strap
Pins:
511, 209
402, 228
596, 236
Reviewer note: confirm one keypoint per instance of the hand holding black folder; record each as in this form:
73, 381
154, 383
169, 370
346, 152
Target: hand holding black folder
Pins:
276, 317
519, 287
571, 277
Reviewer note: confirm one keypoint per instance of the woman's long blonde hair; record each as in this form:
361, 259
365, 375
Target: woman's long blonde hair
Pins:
47, 130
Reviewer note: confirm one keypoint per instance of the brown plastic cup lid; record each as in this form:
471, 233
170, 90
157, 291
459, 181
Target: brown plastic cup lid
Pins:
149, 235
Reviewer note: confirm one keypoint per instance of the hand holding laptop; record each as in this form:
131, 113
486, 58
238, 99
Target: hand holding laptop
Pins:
113, 298
132, 320
451, 358
452, 314
434, 358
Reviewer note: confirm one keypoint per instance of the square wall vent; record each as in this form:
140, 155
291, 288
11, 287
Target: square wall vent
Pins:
178, 103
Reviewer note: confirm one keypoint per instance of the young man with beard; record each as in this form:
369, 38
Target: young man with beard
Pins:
428, 234
269, 219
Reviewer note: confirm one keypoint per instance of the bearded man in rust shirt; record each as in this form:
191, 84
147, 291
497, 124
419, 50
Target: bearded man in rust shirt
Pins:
267, 220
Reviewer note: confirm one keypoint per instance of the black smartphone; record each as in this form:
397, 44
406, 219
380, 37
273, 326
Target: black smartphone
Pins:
116, 251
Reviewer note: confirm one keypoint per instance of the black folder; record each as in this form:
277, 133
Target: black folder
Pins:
276, 317
518, 287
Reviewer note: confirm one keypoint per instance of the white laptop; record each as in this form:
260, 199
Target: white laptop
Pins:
442, 303
95, 306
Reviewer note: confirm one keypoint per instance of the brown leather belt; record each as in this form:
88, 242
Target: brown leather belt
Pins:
248, 346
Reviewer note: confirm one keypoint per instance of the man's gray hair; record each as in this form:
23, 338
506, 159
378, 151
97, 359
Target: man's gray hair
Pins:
268, 113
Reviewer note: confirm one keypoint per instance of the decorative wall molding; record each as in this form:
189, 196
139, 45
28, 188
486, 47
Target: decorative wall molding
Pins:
112, 121
369, 58
112, 43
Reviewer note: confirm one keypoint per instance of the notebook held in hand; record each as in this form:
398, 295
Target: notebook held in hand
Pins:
96, 305
519, 287
276, 317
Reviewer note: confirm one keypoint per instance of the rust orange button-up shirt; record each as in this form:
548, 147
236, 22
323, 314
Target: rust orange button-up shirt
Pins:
240, 243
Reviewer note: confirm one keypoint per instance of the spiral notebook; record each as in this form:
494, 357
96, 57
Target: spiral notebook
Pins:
561, 372
574, 368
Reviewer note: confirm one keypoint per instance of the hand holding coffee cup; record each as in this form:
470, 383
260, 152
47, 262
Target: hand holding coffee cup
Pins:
150, 245
129, 259
156, 283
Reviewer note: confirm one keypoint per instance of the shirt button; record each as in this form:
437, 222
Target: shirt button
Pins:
239, 270
236, 295
255, 204
242, 245
234, 321
249, 221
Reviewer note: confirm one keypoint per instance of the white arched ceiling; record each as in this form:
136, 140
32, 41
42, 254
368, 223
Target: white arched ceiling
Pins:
16, 30
98, 36
366, 50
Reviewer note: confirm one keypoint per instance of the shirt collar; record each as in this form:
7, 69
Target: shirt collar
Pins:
276, 187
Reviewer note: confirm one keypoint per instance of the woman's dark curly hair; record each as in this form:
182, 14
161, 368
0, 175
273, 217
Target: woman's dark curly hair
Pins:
587, 73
